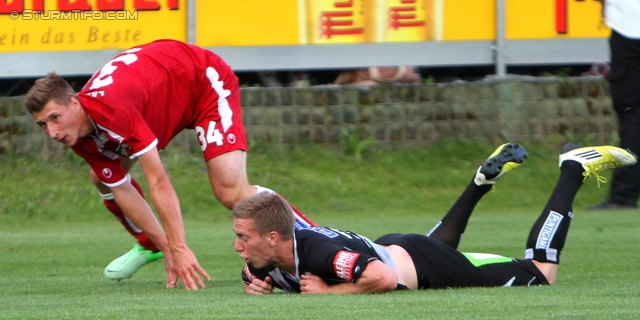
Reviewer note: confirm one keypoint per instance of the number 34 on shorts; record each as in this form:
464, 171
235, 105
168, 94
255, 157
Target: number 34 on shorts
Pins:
212, 135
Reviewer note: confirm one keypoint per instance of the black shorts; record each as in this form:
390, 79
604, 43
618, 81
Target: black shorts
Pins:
440, 266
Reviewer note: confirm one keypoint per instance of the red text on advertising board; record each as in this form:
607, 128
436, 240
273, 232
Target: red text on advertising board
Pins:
562, 16
339, 22
405, 16
7, 6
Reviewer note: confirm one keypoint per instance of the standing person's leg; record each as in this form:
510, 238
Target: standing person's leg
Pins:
505, 158
112, 206
625, 185
229, 182
145, 250
548, 234
623, 80
220, 131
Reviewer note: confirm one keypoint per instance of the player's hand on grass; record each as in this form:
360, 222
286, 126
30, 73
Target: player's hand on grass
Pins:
258, 286
312, 284
186, 267
172, 275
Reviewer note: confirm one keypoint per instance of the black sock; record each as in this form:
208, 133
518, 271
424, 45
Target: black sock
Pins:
450, 229
549, 232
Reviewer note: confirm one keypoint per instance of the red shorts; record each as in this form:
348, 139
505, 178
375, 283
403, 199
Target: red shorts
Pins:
219, 126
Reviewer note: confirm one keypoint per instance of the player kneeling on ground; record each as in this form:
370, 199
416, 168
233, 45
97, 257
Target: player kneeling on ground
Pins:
325, 260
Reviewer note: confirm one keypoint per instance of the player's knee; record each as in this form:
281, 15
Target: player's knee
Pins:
229, 203
551, 279
229, 198
94, 179
104, 191
231, 195
549, 270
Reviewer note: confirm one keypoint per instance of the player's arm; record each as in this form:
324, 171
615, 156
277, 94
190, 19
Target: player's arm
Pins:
125, 194
377, 277
137, 209
165, 200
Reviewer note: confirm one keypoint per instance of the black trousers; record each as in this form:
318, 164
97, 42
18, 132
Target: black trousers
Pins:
624, 81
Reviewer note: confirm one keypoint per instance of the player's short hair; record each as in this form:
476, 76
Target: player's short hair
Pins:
51, 87
269, 212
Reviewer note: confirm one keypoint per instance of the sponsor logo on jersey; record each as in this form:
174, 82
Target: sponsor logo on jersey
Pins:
231, 138
548, 230
106, 172
343, 264
324, 231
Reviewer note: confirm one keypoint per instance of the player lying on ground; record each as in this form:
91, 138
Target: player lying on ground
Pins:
128, 111
325, 260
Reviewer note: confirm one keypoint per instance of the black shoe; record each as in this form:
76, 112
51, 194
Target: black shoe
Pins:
608, 205
506, 158
570, 146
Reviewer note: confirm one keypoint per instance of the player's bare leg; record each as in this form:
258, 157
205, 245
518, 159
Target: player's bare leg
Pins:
228, 177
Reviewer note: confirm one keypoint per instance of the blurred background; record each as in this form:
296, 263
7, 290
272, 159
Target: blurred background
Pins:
443, 40
405, 72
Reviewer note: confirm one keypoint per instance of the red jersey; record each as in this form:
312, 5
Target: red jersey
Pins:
145, 96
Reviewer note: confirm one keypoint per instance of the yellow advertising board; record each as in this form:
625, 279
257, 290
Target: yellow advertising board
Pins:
246, 22
338, 21
77, 25
555, 19
63, 25
525, 19
290, 22
406, 20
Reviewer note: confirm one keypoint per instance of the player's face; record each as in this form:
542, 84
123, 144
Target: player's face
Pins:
61, 122
250, 245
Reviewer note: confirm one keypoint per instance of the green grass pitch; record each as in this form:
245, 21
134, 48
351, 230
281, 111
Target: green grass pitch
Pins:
56, 238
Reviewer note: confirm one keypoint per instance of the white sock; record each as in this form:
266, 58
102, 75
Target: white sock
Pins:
108, 196
263, 189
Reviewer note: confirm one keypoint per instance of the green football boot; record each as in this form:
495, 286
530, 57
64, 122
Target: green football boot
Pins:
126, 265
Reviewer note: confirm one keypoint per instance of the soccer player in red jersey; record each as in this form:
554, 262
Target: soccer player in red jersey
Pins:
128, 111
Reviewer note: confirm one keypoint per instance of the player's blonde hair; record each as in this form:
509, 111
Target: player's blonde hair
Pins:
51, 87
269, 212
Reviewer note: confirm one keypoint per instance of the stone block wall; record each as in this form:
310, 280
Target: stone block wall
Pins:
400, 115
416, 115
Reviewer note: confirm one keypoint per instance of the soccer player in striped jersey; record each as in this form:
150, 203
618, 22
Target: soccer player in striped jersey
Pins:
326, 260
